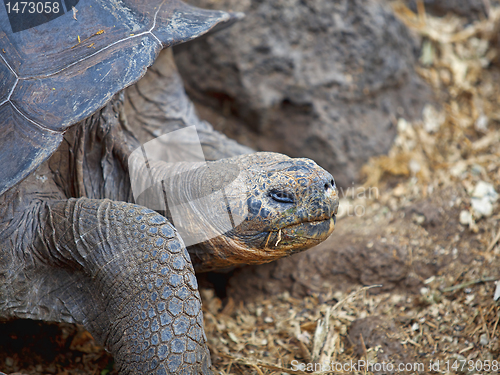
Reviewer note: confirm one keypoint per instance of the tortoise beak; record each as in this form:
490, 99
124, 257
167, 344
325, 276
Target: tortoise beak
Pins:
333, 200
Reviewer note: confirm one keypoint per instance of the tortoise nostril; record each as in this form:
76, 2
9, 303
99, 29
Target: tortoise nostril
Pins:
330, 185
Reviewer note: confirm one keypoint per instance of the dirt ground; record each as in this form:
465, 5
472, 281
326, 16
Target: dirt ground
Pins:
409, 275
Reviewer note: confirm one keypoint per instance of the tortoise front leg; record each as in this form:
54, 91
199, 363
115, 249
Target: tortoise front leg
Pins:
122, 271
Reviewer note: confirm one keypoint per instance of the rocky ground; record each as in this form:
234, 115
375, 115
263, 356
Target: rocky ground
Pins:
409, 275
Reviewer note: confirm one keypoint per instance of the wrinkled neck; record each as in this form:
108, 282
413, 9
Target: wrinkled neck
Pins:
202, 200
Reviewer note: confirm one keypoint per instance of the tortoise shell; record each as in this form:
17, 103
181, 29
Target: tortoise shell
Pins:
56, 69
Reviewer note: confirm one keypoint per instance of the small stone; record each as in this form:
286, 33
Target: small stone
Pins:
465, 217
415, 327
399, 191
432, 119
496, 297
482, 207
268, 319
414, 166
481, 124
485, 189
483, 339
476, 169
418, 219
469, 299
402, 125
459, 168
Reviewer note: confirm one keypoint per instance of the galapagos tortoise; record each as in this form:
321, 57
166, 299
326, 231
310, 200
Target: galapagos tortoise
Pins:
74, 245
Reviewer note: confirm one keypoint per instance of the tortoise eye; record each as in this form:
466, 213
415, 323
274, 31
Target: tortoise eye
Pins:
281, 196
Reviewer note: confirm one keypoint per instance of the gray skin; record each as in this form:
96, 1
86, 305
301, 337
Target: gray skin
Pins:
74, 248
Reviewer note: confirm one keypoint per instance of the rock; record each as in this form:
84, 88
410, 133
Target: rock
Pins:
459, 168
483, 339
481, 124
484, 189
321, 79
481, 207
433, 119
465, 217
483, 198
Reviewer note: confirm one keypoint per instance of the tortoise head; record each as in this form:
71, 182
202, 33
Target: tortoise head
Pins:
277, 205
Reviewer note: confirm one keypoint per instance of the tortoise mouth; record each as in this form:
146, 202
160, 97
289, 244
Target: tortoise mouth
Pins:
316, 229
228, 251
301, 236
